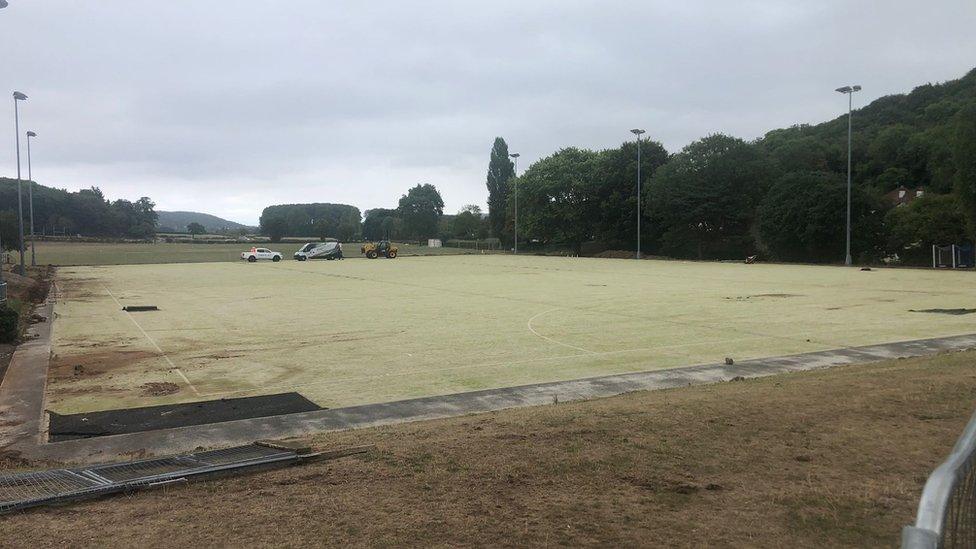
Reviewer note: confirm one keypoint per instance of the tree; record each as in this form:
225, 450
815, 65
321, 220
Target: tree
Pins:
500, 171
274, 227
320, 219
379, 224
420, 210
558, 199
466, 225
804, 216
703, 201
964, 157
348, 230
931, 219
86, 212
390, 227
615, 175
195, 228
9, 235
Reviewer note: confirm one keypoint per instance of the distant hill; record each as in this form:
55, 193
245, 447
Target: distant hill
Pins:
179, 220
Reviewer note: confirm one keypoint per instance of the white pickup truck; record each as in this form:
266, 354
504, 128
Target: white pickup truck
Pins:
255, 254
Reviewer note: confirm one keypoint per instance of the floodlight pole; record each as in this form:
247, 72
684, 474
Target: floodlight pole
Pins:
638, 133
849, 90
20, 201
515, 177
30, 197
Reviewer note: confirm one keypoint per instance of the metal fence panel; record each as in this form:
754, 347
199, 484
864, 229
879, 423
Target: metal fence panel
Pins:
24, 490
947, 510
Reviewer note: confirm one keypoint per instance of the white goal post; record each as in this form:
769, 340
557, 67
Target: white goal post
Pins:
952, 256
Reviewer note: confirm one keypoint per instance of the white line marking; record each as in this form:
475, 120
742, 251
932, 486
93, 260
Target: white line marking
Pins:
156, 345
551, 340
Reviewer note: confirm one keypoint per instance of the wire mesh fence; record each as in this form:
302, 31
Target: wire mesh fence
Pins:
947, 509
33, 489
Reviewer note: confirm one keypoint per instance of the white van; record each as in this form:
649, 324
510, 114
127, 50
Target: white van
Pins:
319, 250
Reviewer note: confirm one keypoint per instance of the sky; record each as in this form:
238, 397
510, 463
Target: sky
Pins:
226, 107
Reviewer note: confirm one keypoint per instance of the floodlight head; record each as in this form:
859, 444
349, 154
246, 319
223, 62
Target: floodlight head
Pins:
31, 134
636, 131
3, 4
856, 88
845, 89
515, 155
19, 96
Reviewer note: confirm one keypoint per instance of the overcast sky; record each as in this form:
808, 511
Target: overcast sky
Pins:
228, 106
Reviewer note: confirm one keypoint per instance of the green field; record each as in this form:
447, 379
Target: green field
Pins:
98, 253
353, 332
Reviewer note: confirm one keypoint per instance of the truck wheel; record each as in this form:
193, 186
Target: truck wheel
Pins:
251, 259
371, 254
391, 254
276, 258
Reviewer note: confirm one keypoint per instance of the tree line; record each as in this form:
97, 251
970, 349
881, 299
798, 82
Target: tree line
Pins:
319, 220
85, 212
782, 196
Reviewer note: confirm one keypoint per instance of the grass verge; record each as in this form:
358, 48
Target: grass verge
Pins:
828, 458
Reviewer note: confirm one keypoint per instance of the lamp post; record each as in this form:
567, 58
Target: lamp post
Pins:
850, 91
30, 196
638, 133
516, 157
20, 201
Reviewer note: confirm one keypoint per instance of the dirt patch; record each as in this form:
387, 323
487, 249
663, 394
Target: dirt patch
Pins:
159, 388
760, 296
94, 363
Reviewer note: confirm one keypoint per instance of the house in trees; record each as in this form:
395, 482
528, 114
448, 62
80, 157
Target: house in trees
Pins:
903, 195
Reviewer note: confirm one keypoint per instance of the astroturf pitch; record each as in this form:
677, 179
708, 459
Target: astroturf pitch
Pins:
359, 331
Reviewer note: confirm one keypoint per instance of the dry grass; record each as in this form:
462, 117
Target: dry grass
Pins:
829, 458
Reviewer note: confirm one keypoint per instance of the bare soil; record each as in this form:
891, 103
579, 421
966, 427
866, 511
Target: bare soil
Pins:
159, 388
820, 459
94, 363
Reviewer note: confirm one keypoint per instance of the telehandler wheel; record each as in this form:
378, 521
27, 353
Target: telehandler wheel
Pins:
391, 254
372, 254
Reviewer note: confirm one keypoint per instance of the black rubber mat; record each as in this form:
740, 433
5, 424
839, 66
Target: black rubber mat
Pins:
150, 418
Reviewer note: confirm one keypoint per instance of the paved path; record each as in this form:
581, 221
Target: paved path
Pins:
22, 389
22, 397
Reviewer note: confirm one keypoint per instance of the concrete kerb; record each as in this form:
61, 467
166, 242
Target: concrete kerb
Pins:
22, 398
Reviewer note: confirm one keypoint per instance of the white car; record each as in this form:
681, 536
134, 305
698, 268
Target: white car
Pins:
260, 253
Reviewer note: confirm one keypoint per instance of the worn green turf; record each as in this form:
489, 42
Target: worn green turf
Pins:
100, 253
352, 332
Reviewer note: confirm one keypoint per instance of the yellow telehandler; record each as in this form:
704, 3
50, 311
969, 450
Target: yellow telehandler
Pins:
372, 250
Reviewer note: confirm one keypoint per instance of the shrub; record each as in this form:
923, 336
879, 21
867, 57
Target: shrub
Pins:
8, 324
